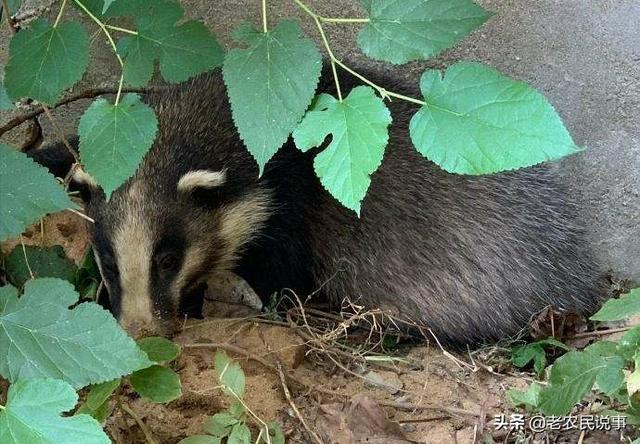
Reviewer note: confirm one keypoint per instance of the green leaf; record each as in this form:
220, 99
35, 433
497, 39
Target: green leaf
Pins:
270, 85
478, 121
115, 138
32, 415
40, 337
159, 349
219, 425
359, 129
5, 101
574, 374
629, 344
87, 276
27, 192
200, 439
240, 434
229, 374
522, 355
183, 51
99, 393
529, 398
624, 307
42, 262
46, 60
403, 30
275, 432
157, 383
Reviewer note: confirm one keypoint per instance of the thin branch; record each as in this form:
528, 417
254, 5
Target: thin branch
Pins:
64, 3
88, 94
148, 436
287, 394
316, 18
111, 42
119, 29
343, 20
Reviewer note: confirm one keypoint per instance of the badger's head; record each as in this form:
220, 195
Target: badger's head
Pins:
163, 234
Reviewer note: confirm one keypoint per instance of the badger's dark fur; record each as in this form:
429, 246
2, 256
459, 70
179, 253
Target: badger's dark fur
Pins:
471, 257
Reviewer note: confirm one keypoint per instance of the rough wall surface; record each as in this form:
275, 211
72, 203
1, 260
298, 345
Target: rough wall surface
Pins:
583, 55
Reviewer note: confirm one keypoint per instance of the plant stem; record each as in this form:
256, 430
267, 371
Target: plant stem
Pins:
343, 20
64, 3
264, 16
332, 58
117, 28
104, 29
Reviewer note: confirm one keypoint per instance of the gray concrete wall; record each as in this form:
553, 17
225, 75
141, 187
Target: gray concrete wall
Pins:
583, 55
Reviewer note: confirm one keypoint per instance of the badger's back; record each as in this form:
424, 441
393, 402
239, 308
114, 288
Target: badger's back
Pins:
470, 257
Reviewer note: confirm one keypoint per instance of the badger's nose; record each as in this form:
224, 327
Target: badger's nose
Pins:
138, 329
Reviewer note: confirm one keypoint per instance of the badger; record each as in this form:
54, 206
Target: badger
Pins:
470, 257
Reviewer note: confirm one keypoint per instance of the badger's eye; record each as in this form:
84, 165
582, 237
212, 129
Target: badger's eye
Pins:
167, 262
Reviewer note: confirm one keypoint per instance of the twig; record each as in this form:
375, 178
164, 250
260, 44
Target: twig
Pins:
7, 13
287, 394
148, 436
264, 16
597, 333
88, 94
82, 215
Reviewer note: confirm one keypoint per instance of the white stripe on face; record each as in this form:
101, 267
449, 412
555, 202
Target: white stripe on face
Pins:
133, 247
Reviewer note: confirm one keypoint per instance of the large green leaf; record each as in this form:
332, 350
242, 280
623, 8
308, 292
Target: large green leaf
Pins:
157, 383
270, 85
359, 129
574, 374
45, 60
403, 30
40, 337
115, 138
624, 307
477, 121
32, 416
183, 50
27, 192
42, 262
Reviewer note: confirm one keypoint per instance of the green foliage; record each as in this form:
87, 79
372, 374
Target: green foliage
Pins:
602, 366
42, 338
159, 349
358, 125
27, 192
231, 423
114, 138
97, 402
183, 50
478, 121
44, 60
157, 383
270, 85
400, 31
87, 278
32, 415
622, 308
230, 374
523, 355
42, 262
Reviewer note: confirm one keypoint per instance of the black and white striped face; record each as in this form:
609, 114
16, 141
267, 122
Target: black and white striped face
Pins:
156, 247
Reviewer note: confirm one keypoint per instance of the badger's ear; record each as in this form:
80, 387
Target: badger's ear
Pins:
198, 181
82, 182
